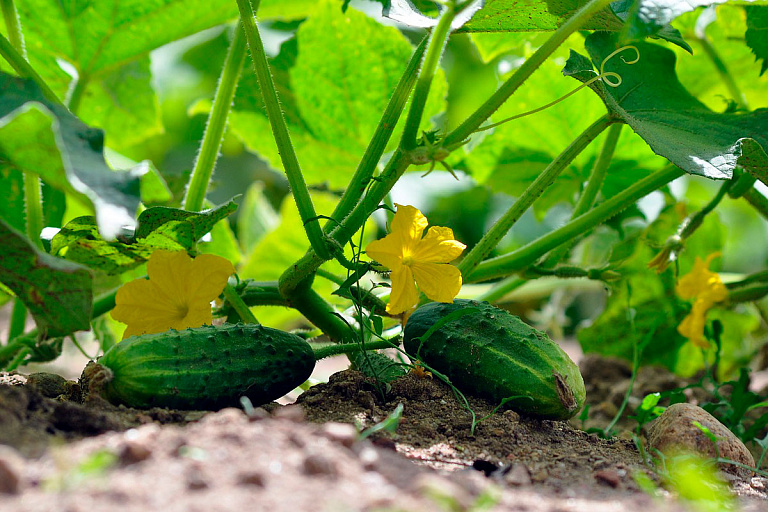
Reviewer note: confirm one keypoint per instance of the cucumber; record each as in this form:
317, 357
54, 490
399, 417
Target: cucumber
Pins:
207, 367
487, 351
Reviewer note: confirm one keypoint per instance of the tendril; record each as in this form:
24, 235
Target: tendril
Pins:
609, 78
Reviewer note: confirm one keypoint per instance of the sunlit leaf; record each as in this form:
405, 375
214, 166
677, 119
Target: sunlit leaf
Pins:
673, 123
44, 138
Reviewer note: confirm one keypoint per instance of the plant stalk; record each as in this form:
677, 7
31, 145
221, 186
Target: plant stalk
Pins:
22, 67
493, 103
514, 261
217, 122
491, 239
282, 136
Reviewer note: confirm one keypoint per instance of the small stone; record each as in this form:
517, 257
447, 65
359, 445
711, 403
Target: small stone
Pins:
320, 465
134, 451
369, 458
518, 475
674, 431
342, 433
258, 414
294, 413
10, 470
609, 477
251, 478
195, 480
228, 416
47, 384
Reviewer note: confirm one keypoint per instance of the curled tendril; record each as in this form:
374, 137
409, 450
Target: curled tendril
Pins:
605, 76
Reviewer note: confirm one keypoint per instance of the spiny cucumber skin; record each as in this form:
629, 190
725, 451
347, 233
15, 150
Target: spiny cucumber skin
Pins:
495, 354
207, 367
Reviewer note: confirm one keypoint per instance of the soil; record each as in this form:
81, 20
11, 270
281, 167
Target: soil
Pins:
61, 450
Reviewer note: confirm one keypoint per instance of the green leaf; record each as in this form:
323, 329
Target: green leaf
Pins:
659, 109
12, 208
159, 228
58, 293
124, 104
107, 42
332, 106
757, 33
535, 15
44, 138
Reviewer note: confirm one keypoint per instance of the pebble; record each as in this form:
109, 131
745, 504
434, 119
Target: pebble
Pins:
294, 413
10, 470
320, 465
343, 433
609, 477
674, 430
518, 475
134, 451
47, 384
251, 478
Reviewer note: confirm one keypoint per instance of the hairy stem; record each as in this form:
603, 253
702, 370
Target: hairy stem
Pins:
217, 122
13, 26
239, 305
491, 239
381, 136
493, 103
22, 67
280, 131
350, 348
516, 260
589, 195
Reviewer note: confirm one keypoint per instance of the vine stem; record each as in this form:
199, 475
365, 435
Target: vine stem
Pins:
589, 195
280, 130
13, 26
22, 67
350, 348
512, 262
491, 239
239, 306
574, 23
217, 122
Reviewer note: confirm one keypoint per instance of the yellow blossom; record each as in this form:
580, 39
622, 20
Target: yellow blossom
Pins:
706, 288
416, 260
177, 295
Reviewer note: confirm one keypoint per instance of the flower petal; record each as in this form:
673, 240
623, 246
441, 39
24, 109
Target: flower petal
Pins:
388, 251
438, 246
692, 326
408, 224
439, 281
207, 278
404, 293
699, 279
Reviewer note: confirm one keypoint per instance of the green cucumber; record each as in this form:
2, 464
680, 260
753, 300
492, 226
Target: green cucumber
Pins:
487, 351
207, 367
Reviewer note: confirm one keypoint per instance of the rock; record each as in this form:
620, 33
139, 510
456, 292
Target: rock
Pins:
253, 478
342, 433
518, 475
316, 464
609, 477
674, 431
293, 412
47, 384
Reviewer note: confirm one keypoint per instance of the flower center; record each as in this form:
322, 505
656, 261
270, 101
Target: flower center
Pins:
407, 260
182, 310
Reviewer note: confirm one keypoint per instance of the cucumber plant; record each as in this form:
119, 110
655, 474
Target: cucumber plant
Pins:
340, 113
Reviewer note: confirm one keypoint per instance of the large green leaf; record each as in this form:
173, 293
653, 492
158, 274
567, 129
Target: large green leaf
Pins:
107, 42
535, 15
757, 33
333, 105
44, 138
58, 293
12, 206
159, 228
673, 123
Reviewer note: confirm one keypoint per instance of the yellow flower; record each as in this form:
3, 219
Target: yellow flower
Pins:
706, 288
416, 260
177, 295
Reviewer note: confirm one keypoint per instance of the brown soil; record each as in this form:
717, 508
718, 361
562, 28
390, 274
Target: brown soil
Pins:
71, 454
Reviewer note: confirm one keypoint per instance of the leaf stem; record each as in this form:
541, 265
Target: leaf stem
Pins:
280, 130
722, 70
493, 103
589, 195
78, 91
217, 122
13, 26
492, 238
514, 261
381, 136
435, 49
234, 300
22, 67
350, 348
